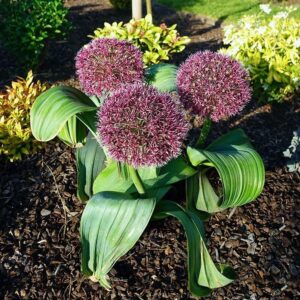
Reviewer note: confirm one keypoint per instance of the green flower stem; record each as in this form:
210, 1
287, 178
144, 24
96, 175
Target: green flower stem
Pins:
204, 133
136, 180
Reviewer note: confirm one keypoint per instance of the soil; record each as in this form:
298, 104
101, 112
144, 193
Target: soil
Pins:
40, 214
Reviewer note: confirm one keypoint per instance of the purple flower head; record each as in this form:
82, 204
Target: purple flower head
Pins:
104, 64
213, 85
141, 126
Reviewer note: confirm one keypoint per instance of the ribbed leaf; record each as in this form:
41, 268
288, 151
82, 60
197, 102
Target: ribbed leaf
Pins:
208, 200
162, 76
239, 166
98, 100
210, 275
203, 275
73, 133
53, 108
200, 193
192, 193
89, 119
110, 226
111, 179
90, 161
148, 173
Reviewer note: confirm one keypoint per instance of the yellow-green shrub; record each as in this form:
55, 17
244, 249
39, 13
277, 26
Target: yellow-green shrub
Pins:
15, 104
158, 43
269, 47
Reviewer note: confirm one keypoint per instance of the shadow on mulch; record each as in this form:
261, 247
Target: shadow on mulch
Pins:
270, 128
58, 63
269, 266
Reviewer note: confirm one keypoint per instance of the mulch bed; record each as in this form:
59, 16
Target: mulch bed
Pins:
40, 214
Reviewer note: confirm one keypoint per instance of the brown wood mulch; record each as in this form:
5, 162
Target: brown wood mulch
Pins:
40, 215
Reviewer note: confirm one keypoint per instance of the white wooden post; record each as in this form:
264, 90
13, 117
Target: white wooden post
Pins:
149, 7
137, 10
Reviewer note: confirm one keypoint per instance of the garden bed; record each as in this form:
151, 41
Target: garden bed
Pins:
39, 213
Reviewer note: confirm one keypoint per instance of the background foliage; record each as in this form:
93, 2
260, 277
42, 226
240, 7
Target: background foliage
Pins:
121, 4
15, 104
269, 47
158, 43
27, 25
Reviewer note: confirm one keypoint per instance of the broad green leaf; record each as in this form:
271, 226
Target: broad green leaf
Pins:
210, 275
90, 160
111, 224
73, 133
176, 170
162, 76
53, 108
201, 194
144, 173
89, 119
192, 194
240, 168
98, 100
169, 208
111, 179
200, 264
158, 193
207, 200
148, 173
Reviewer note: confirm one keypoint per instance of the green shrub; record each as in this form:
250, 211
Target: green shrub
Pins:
121, 4
16, 139
269, 47
158, 43
26, 25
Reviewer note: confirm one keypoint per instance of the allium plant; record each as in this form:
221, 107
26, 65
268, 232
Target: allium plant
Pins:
104, 64
141, 126
138, 148
213, 85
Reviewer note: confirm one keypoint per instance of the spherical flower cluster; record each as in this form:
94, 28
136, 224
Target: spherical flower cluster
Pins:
213, 85
104, 64
140, 126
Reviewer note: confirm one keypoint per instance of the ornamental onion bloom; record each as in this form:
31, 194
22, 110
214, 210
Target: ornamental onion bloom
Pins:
140, 126
104, 64
213, 85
